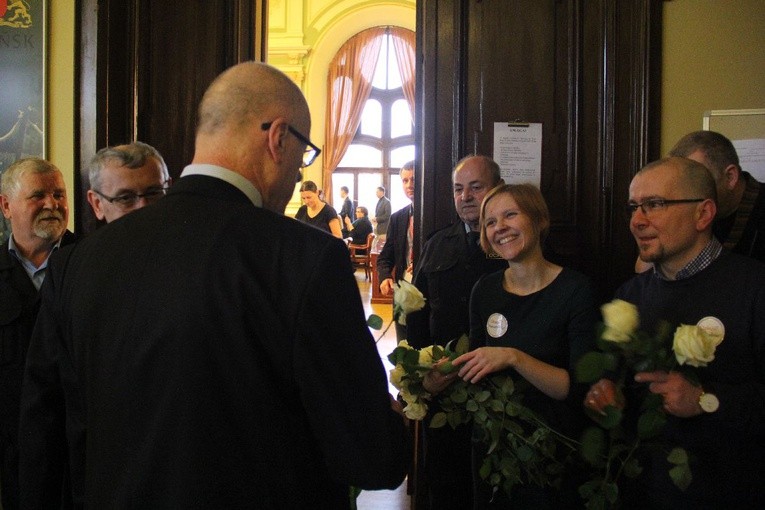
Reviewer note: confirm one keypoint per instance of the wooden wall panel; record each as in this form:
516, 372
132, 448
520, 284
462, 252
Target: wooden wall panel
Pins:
144, 66
587, 69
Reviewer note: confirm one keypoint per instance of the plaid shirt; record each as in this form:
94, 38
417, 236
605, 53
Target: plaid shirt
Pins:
705, 257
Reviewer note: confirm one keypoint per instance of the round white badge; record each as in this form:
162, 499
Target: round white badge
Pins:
496, 325
714, 327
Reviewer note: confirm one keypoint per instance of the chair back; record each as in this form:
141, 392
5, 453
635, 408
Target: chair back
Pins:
361, 255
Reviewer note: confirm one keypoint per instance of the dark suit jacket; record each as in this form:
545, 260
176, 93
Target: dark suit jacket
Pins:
19, 303
382, 216
396, 249
196, 342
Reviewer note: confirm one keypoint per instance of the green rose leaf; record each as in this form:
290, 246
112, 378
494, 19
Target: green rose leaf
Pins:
446, 367
593, 446
438, 421
471, 406
375, 322
678, 456
681, 476
525, 453
483, 396
651, 423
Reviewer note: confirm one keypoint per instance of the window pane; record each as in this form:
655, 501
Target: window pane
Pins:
400, 119
371, 119
368, 183
341, 179
362, 156
400, 156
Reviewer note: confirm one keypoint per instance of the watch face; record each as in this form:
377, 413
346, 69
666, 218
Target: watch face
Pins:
708, 402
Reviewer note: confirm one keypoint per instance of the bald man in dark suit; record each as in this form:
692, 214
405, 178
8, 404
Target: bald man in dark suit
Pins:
196, 343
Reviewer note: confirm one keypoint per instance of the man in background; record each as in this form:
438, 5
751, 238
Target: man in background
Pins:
346, 211
450, 264
396, 260
125, 178
382, 214
200, 346
740, 221
33, 199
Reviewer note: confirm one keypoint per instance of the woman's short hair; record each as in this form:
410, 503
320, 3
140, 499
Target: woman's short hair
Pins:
309, 186
530, 202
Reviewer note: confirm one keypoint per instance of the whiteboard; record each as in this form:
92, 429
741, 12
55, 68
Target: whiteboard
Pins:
746, 129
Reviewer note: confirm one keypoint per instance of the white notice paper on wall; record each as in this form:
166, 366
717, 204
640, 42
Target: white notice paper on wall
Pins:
751, 156
518, 151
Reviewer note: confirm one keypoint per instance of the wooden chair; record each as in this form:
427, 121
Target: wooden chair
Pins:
361, 255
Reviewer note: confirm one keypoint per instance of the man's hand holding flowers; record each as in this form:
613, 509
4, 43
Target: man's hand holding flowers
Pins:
681, 397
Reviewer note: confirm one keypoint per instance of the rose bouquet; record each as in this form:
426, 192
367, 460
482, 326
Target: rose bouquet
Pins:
625, 349
521, 447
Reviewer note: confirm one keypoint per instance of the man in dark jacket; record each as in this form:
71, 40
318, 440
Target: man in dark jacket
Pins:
450, 264
395, 261
195, 340
33, 198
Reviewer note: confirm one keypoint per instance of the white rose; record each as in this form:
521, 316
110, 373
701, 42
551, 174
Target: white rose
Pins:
426, 357
416, 411
396, 374
694, 346
621, 319
405, 344
407, 298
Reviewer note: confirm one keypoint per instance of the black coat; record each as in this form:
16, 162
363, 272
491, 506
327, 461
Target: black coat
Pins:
395, 252
196, 344
19, 304
446, 271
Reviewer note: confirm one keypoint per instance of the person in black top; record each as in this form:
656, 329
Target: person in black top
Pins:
361, 228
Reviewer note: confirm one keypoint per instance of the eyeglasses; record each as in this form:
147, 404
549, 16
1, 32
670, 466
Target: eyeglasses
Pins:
654, 205
311, 152
129, 199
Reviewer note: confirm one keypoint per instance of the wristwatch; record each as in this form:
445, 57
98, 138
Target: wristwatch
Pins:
708, 402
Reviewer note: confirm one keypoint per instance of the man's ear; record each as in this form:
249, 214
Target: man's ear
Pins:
706, 213
731, 175
277, 139
95, 203
4, 206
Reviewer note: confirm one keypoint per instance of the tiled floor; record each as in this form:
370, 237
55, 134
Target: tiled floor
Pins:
381, 500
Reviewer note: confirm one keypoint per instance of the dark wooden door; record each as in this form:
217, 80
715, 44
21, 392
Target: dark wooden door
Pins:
588, 70
143, 67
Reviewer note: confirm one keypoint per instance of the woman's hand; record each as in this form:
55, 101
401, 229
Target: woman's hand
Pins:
435, 382
483, 361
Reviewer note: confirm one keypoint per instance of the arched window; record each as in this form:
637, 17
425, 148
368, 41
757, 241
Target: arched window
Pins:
383, 139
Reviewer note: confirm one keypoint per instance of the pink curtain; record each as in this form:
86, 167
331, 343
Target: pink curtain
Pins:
404, 44
349, 84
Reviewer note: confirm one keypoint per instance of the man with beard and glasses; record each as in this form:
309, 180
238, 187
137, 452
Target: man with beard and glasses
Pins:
33, 199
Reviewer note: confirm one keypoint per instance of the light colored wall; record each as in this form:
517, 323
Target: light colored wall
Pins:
60, 120
714, 58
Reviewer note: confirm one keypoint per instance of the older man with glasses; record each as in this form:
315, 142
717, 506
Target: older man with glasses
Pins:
125, 178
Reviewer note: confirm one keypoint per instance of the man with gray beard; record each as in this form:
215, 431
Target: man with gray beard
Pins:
33, 200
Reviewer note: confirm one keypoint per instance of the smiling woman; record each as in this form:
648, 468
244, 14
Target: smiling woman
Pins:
533, 320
